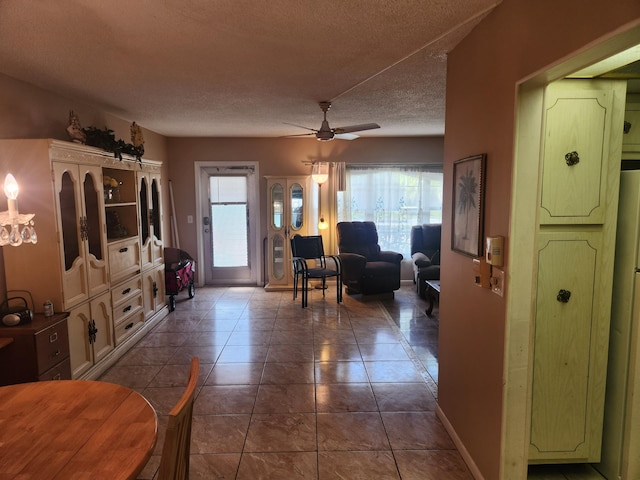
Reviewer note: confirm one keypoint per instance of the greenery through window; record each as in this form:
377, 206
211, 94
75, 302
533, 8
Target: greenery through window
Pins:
395, 198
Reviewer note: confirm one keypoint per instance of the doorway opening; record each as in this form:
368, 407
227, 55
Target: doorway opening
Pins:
522, 243
228, 231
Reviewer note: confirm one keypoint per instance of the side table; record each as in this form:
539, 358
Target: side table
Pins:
433, 294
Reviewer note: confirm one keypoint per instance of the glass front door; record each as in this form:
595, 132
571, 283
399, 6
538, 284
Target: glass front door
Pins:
227, 227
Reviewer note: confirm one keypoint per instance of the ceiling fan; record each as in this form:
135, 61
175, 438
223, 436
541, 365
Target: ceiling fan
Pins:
326, 133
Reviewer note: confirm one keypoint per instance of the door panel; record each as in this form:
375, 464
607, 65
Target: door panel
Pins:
229, 206
564, 327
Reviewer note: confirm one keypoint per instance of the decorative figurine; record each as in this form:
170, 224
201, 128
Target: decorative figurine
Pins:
74, 129
136, 138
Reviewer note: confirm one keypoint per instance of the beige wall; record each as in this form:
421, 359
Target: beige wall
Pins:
29, 112
518, 39
280, 156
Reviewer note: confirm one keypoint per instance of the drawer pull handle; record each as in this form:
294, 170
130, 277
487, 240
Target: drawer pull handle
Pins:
124, 249
53, 337
563, 296
55, 354
130, 325
572, 158
57, 376
125, 291
126, 309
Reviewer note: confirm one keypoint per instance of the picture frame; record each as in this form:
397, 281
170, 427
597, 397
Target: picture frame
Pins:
467, 229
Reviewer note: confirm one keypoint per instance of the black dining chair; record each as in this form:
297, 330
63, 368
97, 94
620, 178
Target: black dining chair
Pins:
309, 261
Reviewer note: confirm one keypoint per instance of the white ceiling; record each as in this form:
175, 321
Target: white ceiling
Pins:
243, 67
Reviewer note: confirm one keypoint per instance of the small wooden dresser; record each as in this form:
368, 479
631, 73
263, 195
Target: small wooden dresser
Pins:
39, 350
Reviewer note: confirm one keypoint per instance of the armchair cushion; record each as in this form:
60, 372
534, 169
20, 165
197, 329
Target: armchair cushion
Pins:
425, 253
421, 260
352, 265
366, 268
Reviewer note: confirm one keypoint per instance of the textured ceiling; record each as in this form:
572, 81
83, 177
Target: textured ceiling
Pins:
243, 67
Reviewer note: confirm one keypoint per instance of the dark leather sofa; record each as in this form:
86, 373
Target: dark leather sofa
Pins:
366, 269
425, 254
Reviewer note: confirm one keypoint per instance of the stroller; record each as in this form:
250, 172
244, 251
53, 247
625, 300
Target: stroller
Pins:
179, 269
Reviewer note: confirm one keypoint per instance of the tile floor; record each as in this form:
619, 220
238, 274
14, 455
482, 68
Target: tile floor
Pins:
326, 392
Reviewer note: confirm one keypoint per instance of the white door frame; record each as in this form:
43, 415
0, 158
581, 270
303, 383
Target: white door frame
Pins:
254, 215
522, 245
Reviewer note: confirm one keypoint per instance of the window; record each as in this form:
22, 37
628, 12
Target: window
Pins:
395, 198
229, 221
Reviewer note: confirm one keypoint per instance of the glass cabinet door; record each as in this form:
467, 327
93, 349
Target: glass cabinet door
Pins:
287, 218
155, 209
277, 206
93, 227
277, 256
143, 196
69, 218
296, 202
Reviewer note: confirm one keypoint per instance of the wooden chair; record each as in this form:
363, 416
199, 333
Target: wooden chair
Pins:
309, 261
174, 460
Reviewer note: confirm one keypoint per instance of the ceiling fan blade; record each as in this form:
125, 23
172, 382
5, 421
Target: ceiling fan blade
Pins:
298, 135
346, 136
356, 128
300, 126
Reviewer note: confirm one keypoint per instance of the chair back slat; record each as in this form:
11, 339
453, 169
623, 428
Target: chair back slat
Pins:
308, 247
174, 460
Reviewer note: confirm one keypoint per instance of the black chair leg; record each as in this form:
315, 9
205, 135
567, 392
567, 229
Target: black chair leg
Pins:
295, 286
305, 290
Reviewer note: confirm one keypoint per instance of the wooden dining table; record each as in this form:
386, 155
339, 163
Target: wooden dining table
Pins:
74, 429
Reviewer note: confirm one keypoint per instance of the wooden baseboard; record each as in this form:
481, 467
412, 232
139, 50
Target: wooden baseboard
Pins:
473, 468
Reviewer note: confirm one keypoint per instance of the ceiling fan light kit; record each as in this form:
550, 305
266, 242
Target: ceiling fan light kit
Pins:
326, 133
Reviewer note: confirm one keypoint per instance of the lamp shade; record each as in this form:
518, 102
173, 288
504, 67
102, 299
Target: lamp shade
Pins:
320, 172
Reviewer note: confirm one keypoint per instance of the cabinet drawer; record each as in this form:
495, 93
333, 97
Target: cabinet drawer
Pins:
129, 326
124, 309
121, 293
52, 345
62, 371
124, 259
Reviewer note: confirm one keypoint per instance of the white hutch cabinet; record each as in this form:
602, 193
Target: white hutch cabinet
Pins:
97, 238
289, 215
578, 215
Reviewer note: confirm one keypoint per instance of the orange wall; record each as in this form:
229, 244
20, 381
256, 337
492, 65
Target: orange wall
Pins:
519, 38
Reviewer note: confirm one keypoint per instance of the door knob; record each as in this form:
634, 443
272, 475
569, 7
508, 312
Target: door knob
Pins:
563, 296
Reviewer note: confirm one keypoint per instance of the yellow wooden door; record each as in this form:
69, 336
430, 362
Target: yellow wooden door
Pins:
569, 341
576, 148
578, 213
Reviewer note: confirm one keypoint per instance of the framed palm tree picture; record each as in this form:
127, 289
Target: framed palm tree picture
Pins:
468, 205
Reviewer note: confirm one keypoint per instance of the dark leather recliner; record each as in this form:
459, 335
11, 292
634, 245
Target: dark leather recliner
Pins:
425, 254
366, 269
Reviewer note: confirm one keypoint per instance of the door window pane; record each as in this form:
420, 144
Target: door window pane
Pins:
229, 216
229, 235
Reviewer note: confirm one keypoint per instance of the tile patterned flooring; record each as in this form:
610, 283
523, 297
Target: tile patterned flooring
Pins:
327, 392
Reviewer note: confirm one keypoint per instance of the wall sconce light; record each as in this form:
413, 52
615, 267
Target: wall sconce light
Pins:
15, 228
